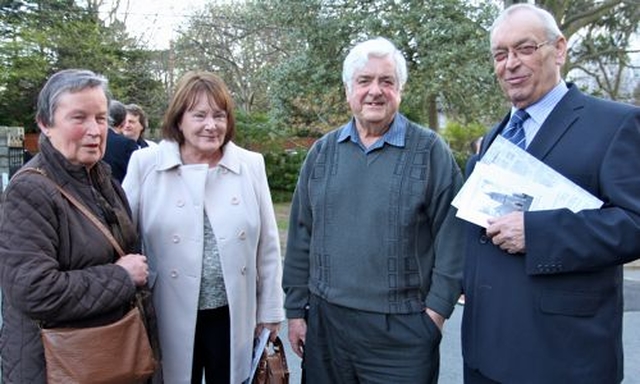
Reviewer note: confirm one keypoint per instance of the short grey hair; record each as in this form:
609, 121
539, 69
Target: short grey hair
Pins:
117, 113
378, 47
551, 29
66, 81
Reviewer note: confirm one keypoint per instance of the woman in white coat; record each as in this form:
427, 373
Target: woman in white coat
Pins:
204, 211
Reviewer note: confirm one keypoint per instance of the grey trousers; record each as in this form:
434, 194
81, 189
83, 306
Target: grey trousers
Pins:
344, 345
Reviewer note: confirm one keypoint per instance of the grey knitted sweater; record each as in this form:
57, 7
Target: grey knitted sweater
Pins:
376, 232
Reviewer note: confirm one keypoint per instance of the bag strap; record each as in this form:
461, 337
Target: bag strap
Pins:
81, 207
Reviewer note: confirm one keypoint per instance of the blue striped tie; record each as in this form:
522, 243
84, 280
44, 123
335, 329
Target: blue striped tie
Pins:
514, 131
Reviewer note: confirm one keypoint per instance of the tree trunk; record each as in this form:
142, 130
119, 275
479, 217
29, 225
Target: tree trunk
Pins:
432, 108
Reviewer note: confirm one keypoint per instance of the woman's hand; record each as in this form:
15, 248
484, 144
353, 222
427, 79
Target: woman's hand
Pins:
136, 266
273, 328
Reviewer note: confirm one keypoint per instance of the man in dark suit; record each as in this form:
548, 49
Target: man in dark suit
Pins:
544, 289
119, 148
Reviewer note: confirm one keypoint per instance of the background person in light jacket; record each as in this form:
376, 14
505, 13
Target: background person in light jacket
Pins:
204, 211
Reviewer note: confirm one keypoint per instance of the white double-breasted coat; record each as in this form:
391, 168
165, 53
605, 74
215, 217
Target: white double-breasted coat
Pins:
168, 200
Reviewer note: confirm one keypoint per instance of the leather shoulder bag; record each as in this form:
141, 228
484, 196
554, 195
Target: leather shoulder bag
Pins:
116, 353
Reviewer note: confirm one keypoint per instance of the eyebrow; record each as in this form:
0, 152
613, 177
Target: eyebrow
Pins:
517, 44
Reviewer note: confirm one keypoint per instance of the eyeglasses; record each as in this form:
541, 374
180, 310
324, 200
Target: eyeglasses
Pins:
520, 51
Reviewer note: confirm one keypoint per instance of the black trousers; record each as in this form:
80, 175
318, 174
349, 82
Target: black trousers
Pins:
212, 347
347, 346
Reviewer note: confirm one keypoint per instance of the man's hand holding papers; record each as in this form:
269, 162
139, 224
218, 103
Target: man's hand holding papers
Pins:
508, 179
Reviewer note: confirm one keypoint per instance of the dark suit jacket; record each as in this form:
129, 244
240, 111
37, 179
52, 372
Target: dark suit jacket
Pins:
554, 314
118, 153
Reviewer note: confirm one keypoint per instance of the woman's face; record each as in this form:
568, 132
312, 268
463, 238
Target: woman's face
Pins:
80, 123
204, 128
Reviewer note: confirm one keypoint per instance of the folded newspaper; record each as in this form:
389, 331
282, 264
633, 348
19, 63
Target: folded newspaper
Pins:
508, 179
260, 343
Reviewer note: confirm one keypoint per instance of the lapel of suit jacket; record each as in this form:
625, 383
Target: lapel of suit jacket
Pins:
488, 140
563, 116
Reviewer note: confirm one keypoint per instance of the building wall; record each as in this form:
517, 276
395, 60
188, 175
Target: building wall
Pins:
31, 142
11, 152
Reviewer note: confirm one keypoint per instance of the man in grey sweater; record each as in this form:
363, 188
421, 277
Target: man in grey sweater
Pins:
374, 250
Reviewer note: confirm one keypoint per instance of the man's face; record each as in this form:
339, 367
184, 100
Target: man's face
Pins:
531, 67
375, 94
132, 127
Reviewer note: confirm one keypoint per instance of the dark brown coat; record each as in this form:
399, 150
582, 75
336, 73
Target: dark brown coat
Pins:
55, 266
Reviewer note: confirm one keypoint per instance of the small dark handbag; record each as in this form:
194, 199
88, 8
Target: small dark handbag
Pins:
116, 353
272, 368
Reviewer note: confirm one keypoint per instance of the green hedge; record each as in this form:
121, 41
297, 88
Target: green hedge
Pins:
283, 168
459, 137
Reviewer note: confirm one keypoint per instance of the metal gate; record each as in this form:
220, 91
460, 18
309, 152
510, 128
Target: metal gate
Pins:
16, 159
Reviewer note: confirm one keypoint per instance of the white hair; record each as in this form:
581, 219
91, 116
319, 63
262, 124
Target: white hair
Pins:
378, 47
552, 31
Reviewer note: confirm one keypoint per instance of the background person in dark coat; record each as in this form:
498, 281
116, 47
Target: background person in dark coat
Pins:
544, 289
119, 148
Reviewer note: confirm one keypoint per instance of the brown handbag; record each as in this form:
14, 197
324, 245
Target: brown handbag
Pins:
272, 368
116, 353
119, 353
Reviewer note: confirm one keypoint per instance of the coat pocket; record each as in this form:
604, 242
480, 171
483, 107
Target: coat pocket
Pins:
570, 303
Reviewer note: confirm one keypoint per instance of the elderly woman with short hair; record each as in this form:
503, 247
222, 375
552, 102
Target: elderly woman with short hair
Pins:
56, 268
